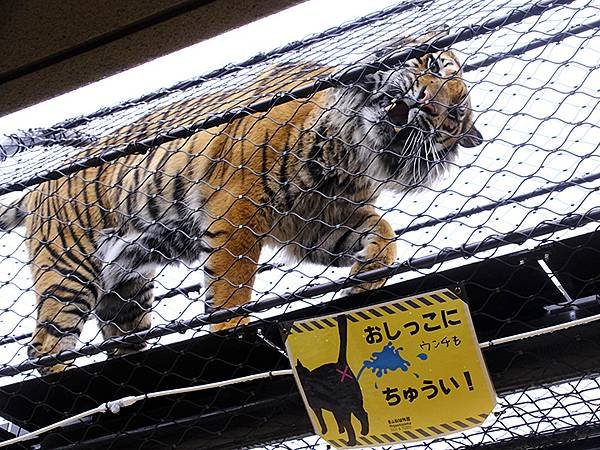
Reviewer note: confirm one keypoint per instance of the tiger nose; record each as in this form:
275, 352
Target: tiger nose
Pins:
423, 96
424, 100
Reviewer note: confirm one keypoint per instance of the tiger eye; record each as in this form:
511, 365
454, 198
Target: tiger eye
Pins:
433, 65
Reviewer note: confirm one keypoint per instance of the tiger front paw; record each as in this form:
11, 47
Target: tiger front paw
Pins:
34, 353
368, 286
231, 323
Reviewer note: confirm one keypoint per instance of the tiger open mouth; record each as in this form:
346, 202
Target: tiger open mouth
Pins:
397, 112
398, 115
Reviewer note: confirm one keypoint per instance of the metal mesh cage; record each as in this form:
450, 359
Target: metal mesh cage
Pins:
152, 250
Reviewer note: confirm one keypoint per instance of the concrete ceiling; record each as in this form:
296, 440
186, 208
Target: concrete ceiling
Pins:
50, 47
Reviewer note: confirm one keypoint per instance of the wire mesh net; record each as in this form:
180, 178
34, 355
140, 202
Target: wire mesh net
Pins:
158, 244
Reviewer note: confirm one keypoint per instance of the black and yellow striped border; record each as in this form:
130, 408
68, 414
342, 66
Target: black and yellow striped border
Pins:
385, 309
416, 434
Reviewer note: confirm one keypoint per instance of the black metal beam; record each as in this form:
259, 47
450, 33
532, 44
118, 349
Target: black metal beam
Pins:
582, 437
233, 428
251, 413
102, 40
506, 295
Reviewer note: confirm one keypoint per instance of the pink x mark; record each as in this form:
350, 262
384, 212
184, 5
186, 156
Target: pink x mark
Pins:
344, 373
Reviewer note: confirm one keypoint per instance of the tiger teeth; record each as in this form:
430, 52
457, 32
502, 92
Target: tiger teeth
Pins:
391, 106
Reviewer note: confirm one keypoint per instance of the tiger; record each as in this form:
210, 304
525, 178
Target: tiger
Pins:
302, 177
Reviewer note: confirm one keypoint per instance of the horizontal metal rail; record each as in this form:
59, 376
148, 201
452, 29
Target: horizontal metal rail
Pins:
14, 339
557, 187
533, 44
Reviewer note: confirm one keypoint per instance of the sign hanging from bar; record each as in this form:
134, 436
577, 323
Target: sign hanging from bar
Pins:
406, 370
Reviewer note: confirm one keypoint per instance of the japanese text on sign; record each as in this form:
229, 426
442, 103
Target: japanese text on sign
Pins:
395, 372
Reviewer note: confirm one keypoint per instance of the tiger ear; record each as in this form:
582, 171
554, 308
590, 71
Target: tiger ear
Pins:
389, 47
432, 34
368, 82
403, 42
406, 42
471, 138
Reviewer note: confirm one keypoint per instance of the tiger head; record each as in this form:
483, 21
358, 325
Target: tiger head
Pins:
408, 123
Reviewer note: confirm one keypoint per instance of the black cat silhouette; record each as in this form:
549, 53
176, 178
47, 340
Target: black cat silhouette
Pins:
334, 387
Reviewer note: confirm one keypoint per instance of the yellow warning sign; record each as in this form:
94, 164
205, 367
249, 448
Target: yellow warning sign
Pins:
401, 371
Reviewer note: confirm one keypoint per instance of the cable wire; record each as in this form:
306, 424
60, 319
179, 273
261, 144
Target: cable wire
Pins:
115, 406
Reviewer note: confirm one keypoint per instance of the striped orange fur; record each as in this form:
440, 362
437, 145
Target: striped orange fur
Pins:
302, 177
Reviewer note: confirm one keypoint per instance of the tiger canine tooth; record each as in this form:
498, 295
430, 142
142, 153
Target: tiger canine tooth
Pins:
391, 106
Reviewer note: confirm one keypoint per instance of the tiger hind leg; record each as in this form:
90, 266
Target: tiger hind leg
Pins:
64, 300
125, 308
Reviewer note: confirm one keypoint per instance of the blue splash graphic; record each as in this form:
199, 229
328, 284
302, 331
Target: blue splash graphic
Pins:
388, 359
